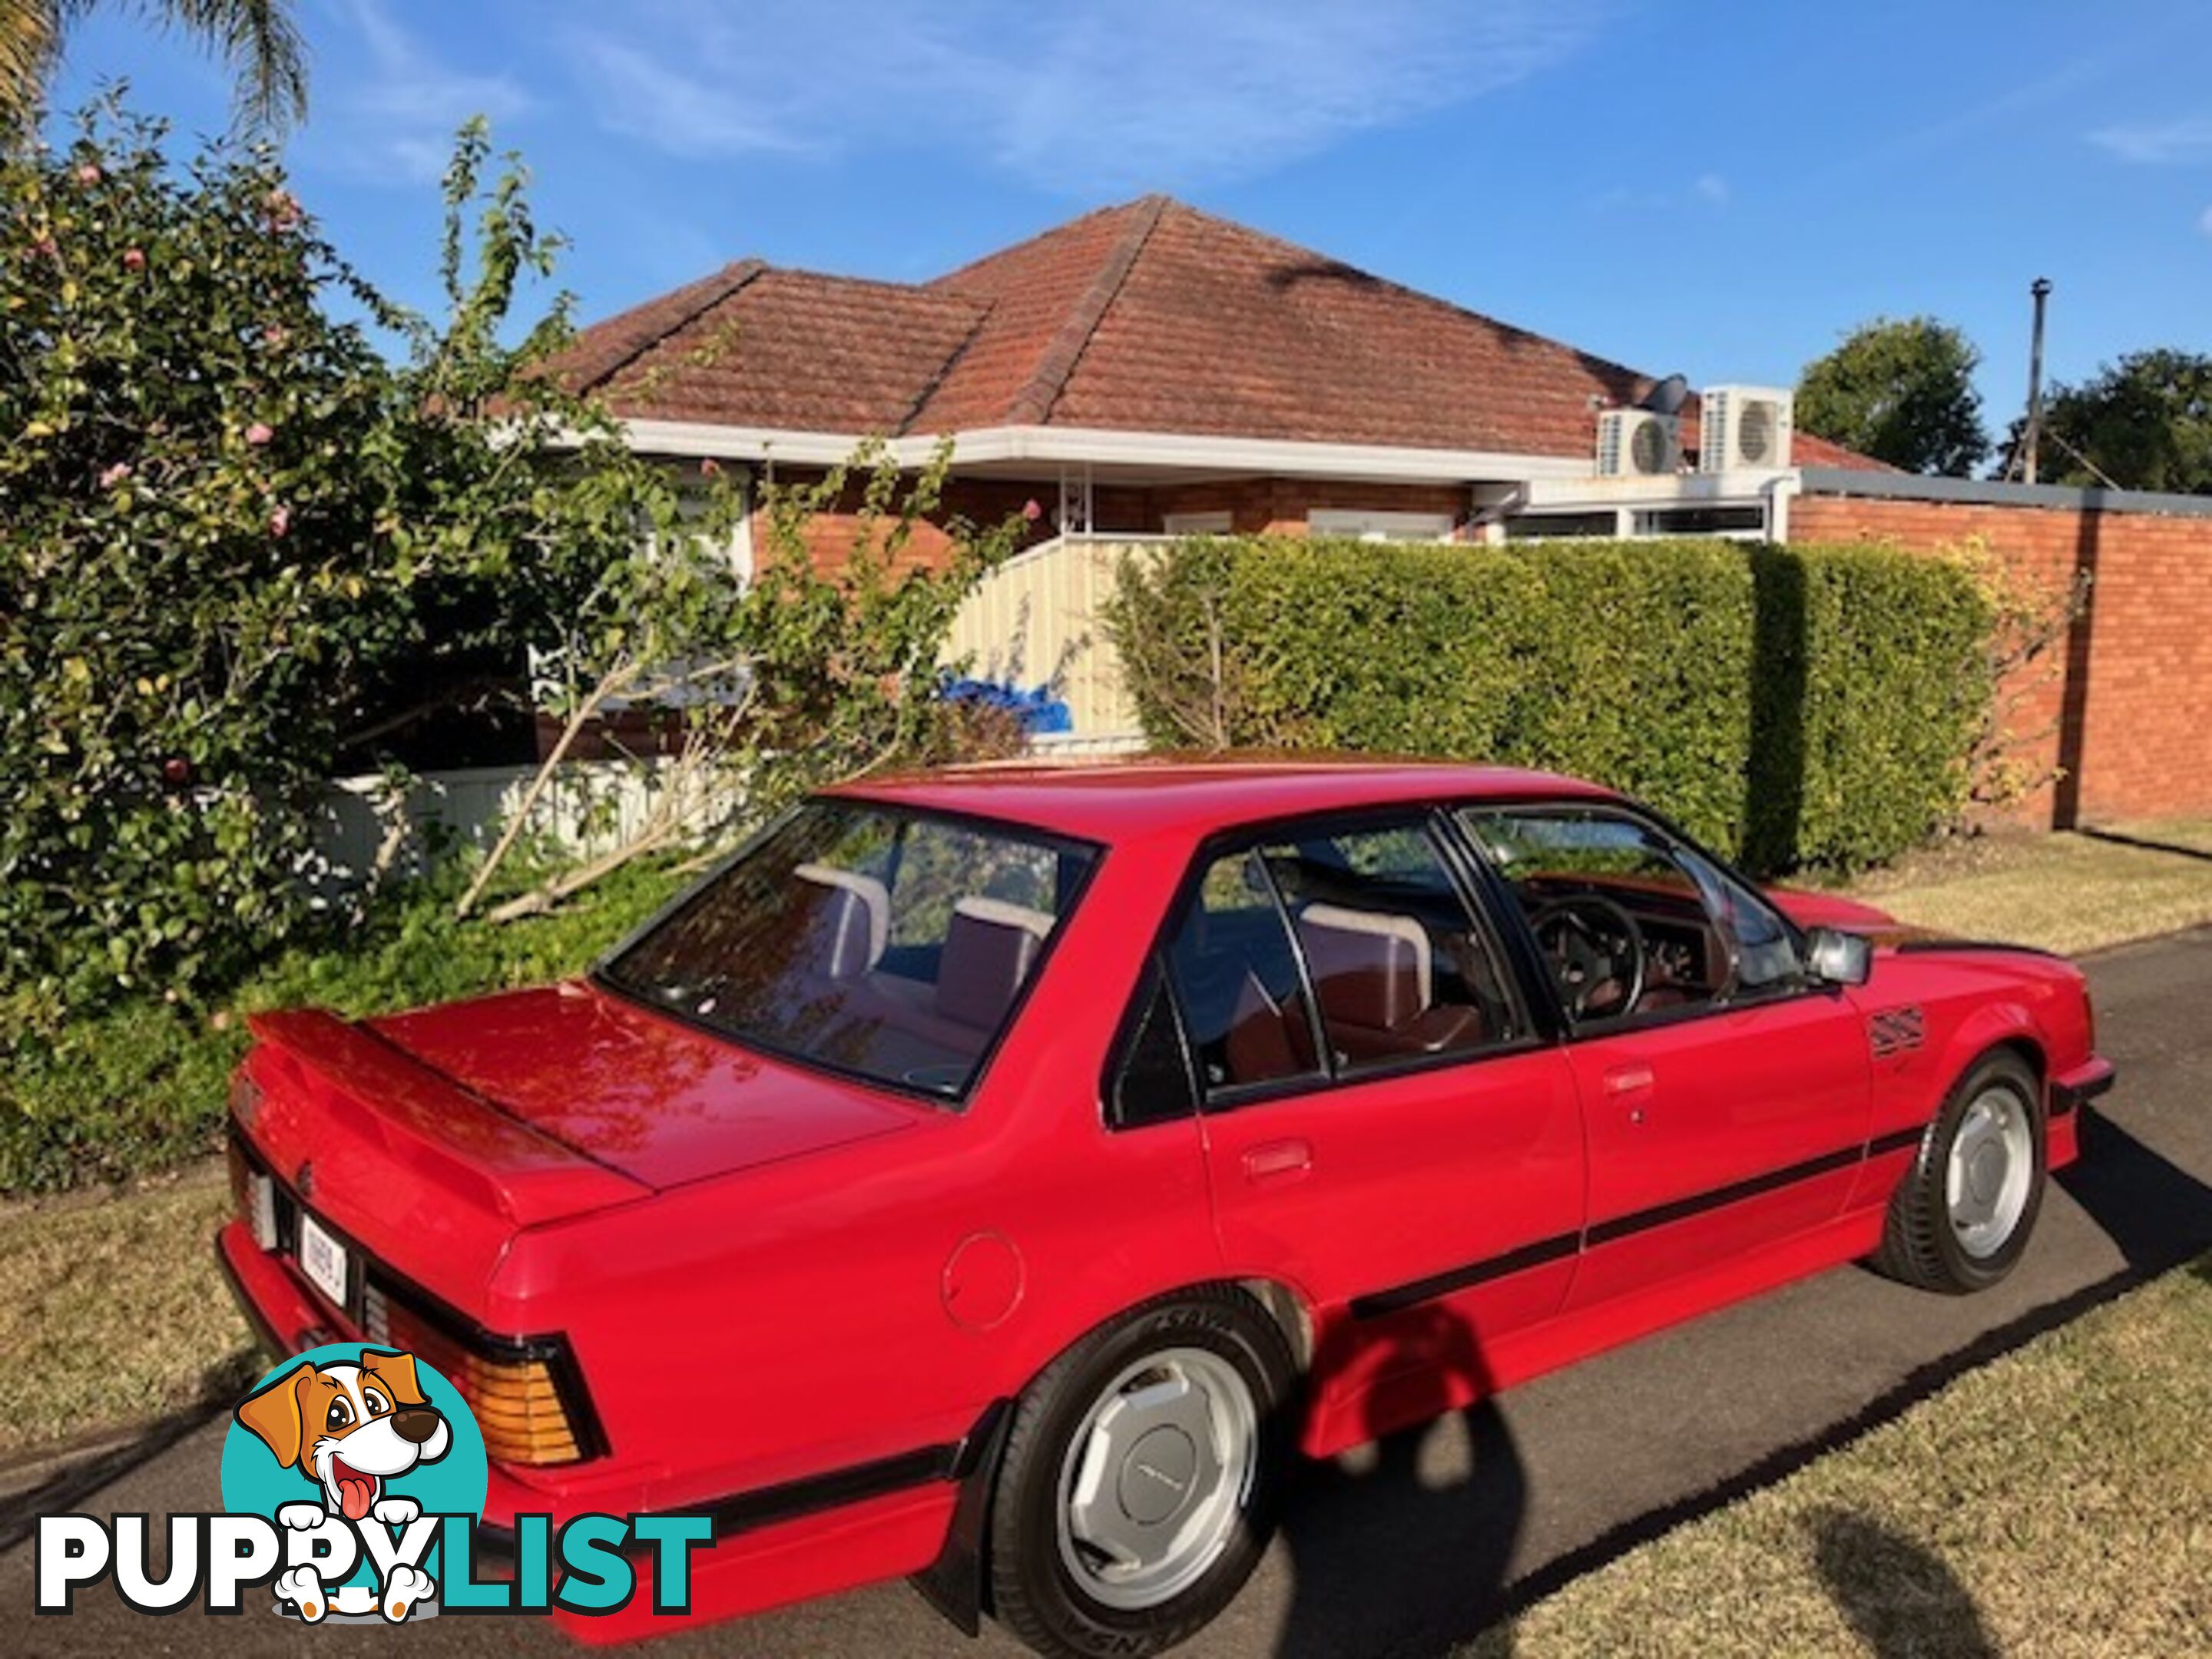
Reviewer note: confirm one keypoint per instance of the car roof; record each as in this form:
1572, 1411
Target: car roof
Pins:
1125, 799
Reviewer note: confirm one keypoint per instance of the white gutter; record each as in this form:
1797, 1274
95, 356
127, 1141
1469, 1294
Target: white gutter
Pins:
1100, 447
1544, 493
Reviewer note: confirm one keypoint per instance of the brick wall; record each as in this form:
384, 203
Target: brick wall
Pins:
1255, 507
1278, 507
2130, 716
983, 501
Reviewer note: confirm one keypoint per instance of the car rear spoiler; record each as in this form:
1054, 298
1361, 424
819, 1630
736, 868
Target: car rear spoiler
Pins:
415, 1116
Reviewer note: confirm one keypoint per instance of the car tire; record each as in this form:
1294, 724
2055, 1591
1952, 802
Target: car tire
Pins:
1141, 1476
1961, 1219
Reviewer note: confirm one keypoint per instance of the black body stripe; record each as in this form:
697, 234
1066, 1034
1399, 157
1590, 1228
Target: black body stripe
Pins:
816, 1493
1921, 947
1401, 1296
1682, 1209
1459, 1278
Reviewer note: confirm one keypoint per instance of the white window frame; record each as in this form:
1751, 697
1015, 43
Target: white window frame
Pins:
1198, 523
1365, 524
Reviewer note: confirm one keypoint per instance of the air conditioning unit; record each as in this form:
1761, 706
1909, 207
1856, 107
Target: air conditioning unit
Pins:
1637, 443
1743, 429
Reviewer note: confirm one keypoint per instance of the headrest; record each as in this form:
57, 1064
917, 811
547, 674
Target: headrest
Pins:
989, 949
850, 924
1370, 968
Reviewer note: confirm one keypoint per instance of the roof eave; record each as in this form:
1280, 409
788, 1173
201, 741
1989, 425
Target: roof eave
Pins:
1058, 446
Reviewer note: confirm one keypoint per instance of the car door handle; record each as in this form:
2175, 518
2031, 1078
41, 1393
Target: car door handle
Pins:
1625, 1080
1277, 1160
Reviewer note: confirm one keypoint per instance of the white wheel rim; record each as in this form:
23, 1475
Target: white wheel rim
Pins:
1991, 1172
1156, 1477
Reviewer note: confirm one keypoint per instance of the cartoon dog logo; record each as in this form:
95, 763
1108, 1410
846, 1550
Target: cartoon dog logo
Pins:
351, 1429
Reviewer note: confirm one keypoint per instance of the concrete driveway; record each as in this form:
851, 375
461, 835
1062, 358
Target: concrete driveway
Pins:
1408, 1547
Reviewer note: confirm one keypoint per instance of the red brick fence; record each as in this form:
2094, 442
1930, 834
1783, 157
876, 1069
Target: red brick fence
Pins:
2131, 713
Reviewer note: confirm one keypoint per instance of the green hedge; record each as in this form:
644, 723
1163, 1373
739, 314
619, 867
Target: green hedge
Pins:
142, 1085
1795, 706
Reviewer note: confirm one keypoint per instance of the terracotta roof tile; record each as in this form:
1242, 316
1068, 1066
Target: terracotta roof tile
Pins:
605, 347
794, 350
1148, 317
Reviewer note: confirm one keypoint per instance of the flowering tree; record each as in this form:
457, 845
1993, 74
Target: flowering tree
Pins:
233, 534
803, 677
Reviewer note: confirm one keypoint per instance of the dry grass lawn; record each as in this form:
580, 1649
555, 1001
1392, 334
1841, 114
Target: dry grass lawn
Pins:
2069, 893
2057, 1502
113, 1312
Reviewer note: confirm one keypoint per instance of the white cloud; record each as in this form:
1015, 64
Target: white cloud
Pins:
392, 107
1111, 94
1707, 189
2188, 138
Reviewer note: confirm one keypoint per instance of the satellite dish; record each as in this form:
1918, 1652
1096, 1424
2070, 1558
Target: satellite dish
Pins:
1669, 396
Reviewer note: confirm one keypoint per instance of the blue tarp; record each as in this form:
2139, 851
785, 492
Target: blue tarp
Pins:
1037, 708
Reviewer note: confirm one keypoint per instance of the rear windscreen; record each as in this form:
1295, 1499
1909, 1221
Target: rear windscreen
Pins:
888, 944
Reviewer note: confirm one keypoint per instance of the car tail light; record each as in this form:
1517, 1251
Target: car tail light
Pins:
525, 1395
253, 1195
245, 1098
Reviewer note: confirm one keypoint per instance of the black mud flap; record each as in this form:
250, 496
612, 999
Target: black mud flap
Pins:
953, 1584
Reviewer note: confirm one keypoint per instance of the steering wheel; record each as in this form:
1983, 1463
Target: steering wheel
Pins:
1596, 954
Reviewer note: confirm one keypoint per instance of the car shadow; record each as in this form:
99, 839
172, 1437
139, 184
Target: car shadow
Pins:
1899, 1598
1385, 1559
73, 1479
2156, 1213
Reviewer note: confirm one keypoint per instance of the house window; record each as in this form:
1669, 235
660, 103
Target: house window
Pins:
1361, 524
1539, 526
1197, 523
738, 548
1703, 521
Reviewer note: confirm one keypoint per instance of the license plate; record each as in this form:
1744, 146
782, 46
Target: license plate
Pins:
261, 1207
322, 1258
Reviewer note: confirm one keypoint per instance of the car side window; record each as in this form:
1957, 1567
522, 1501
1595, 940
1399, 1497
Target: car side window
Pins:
1152, 1081
1400, 968
1238, 981
1361, 932
1628, 923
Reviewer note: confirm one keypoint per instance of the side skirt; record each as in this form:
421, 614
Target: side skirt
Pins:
1346, 1420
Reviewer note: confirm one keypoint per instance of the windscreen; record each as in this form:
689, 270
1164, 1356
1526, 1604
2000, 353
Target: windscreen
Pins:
887, 944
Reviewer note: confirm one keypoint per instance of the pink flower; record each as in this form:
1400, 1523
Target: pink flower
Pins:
283, 211
709, 467
87, 174
280, 521
48, 246
1032, 511
133, 258
115, 475
260, 433
275, 335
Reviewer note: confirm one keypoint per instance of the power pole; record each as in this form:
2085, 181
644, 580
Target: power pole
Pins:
2040, 288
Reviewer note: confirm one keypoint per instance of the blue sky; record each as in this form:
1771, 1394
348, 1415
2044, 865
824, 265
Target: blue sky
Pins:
1682, 184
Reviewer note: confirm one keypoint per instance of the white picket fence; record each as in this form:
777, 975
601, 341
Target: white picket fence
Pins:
590, 806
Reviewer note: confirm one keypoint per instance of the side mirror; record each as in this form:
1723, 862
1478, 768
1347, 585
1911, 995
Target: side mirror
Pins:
1835, 957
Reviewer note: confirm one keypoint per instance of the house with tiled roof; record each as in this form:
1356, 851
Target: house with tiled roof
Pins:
1151, 369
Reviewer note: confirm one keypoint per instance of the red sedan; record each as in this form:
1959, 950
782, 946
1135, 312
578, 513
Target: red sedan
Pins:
999, 1176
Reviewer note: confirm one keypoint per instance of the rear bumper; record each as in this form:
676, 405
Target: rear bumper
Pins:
2071, 1090
814, 1537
